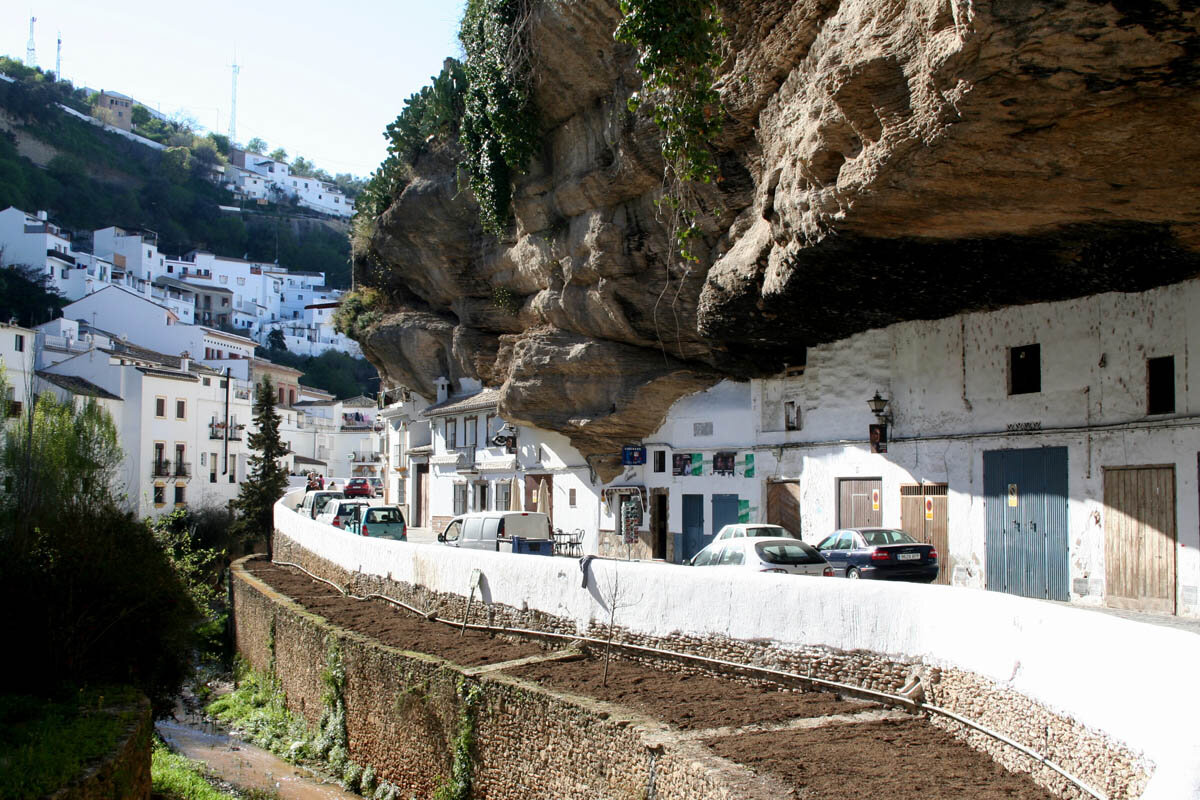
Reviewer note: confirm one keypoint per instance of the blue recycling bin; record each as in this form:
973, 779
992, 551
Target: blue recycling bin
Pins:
533, 547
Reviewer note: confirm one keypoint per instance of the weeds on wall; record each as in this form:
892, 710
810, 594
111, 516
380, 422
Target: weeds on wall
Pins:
499, 128
462, 767
359, 310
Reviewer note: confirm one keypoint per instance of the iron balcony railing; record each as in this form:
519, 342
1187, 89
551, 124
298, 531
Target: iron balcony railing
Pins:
161, 469
183, 469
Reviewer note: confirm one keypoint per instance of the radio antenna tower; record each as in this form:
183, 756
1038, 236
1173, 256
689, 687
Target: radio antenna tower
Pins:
30, 53
58, 59
233, 104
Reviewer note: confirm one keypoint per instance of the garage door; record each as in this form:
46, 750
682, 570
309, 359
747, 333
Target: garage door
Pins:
924, 515
783, 505
860, 502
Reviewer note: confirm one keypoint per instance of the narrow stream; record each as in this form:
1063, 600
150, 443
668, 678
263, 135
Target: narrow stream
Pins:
246, 766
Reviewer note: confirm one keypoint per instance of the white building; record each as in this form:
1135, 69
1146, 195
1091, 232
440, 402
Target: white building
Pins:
17, 354
182, 425
1042, 452
280, 184
454, 464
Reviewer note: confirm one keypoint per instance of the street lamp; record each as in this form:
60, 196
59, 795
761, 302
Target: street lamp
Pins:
878, 404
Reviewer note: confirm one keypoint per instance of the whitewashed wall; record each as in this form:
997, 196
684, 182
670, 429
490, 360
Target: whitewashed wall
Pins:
1024, 645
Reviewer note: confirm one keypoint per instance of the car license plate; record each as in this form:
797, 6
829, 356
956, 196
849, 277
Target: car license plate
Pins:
908, 556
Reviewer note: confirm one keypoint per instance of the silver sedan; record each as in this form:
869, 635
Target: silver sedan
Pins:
777, 554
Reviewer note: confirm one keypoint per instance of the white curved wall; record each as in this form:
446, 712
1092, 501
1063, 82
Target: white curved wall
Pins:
1127, 679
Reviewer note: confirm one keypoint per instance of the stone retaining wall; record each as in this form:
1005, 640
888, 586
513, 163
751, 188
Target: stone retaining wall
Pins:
1095, 758
403, 712
1055, 678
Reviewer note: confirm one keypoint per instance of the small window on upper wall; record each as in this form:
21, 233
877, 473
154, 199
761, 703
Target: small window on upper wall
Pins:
1025, 369
571, 498
660, 460
791, 416
1160, 385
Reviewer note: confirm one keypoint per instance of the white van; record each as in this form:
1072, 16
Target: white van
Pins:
495, 530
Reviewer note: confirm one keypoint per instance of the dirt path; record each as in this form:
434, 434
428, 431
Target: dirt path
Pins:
825, 746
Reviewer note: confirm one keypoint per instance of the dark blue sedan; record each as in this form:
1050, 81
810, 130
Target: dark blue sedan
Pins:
880, 553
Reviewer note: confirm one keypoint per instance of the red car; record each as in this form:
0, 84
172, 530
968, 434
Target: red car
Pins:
359, 487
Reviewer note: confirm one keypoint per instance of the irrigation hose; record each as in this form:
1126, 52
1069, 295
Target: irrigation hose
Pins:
890, 699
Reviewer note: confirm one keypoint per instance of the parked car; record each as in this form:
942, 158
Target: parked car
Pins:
315, 502
339, 512
495, 530
739, 531
377, 485
881, 553
762, 554
379, 522
359, 487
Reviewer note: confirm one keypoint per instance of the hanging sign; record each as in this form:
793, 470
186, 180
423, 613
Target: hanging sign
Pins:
632, 454
929, 508
874, 499
879, 438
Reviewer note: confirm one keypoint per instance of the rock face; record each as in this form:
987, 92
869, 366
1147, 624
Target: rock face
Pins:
881, 161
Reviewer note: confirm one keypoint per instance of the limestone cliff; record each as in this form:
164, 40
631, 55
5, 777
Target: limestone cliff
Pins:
880, 161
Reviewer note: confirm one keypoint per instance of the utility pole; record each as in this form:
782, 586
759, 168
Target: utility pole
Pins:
233, 104
30, 51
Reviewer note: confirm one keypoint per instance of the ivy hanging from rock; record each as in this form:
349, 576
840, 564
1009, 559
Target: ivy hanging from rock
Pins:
499, 127
678, 54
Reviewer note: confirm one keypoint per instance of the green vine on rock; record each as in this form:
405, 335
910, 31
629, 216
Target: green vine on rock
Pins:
458, 785
499, 127
678, 55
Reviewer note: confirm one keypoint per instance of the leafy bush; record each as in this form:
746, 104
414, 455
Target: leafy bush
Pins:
499, 128
432, 114
358, 311
100, 600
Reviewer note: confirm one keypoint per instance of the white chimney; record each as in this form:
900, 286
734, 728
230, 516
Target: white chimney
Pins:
443, 389
43, 216
185, 361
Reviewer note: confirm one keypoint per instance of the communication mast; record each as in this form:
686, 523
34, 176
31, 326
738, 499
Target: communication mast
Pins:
58, 59
30, 53
233, 105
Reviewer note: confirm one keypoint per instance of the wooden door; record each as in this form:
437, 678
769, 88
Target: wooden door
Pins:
531, 494
1139, 538
421, 496
783, 505
924, 515
860, 502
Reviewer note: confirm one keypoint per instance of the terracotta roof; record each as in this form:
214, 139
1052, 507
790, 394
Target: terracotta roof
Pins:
77, 385
484, 398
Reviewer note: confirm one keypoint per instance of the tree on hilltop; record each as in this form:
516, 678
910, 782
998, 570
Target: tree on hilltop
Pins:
256, 145
278, 154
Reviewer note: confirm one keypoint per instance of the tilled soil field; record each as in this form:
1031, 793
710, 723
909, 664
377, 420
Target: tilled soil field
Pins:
897, 759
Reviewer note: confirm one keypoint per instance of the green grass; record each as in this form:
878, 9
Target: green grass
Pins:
256, 708
179, 778
46, 744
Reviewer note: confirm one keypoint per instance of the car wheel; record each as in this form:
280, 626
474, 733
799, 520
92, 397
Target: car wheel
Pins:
852, 573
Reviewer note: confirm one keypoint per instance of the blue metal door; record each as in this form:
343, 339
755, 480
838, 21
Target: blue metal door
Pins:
724, 511
1026, 507
693, 525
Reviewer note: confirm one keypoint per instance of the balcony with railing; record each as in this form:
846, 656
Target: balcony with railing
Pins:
367, 456
466, 457
183, 469
161, 468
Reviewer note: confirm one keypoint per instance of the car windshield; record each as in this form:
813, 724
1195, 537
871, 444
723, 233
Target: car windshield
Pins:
383, 515
875, 538
788, 553
769, 530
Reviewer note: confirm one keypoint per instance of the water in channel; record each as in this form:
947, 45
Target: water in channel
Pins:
246, 766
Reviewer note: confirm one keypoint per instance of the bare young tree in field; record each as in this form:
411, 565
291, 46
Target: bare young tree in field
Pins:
616, 595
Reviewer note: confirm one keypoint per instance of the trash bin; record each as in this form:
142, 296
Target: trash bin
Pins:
536, 547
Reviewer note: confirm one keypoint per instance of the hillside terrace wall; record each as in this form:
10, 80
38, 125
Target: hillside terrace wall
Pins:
1068, 682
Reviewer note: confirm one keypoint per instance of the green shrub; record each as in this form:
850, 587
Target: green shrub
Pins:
359, 310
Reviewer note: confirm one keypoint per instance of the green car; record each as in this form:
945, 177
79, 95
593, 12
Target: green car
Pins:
380, 522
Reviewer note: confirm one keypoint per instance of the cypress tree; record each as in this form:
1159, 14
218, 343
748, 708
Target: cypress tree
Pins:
268, 478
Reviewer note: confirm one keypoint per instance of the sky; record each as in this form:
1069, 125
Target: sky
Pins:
320, 79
